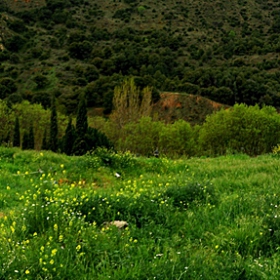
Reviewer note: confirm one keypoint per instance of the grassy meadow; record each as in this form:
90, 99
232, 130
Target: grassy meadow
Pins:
198, 218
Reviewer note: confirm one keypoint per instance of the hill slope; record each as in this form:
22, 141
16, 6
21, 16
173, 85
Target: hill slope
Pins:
224, 50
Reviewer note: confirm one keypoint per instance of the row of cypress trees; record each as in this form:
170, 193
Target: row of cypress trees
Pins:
77, 140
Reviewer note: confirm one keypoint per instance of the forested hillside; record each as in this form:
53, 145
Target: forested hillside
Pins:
227, 51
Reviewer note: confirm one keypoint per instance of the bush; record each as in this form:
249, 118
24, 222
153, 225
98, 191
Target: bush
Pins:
193, 194
115, 160
243, 129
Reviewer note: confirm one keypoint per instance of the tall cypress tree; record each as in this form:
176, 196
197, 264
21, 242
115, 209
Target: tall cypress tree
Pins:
82, 121
69, 138
16, 139
80, 145
54, 128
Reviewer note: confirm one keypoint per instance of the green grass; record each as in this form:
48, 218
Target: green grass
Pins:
199, 218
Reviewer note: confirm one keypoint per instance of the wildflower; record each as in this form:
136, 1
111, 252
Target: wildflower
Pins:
51, 261
62, 165
8, 188
12, 229
78, 248
53, 252
27, 271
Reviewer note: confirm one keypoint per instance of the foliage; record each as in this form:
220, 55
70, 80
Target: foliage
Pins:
177, 139
134, 141
7, 87
6, 120
236, 62
242, 129
129, 104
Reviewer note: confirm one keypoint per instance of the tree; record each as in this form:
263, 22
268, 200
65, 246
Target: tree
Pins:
32, 113
69, 138
16, 140
130, 104
53, 128
80, 145
82, 121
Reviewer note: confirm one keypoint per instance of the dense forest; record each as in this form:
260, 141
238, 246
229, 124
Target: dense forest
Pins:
227, 51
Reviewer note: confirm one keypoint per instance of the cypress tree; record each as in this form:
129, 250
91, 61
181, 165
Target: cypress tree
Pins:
82, 121
54, 128
69, 138
16, 139
80, 145
31, 138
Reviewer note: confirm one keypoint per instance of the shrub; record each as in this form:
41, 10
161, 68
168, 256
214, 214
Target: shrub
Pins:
113, 159
246, 129
193, 194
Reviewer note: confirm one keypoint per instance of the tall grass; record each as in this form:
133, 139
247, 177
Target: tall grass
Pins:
187, 219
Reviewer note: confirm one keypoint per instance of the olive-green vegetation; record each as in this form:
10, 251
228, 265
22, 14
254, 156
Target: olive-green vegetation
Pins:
242, 129
199, 218
227, 51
